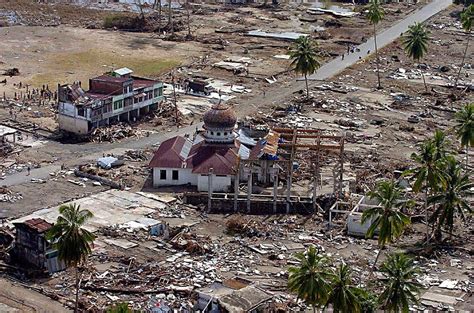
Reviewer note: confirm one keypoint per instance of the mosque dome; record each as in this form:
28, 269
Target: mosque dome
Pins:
220, 116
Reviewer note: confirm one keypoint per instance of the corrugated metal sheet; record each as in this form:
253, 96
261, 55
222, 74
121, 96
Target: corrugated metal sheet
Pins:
171, 153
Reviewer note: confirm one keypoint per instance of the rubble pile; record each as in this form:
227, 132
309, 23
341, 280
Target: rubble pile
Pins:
5, 148
6, 195
116, 132
135, 155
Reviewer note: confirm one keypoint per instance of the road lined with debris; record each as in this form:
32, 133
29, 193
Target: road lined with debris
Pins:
384, 38
92, 151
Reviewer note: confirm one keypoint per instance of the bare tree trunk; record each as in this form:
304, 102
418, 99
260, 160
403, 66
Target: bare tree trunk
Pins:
463, 59
377, 258
379, 86
426, 216
467, 158
175, 105
307, 88
76, 304
188, 18
159, 15
169, 12
424, 81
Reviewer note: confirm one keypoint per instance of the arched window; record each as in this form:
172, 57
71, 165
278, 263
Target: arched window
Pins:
225, 133
218, 134
212, 133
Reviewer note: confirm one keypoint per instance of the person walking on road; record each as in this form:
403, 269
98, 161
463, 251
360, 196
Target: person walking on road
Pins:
28, 169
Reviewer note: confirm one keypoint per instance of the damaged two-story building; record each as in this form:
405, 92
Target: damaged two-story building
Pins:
32, 248
113, 97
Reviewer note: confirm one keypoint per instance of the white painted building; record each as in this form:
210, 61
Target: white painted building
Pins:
180, 161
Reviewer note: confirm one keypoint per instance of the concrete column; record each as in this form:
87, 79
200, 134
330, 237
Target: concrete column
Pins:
315, 186
236, 189
209, 189
249, 187
288, 187
275, 187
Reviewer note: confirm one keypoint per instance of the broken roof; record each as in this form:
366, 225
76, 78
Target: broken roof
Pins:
37, 224
172, 153
267, 146
112, 79
221, 158
244, 300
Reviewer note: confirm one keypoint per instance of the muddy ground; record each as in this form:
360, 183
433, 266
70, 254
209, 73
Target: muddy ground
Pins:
380, 137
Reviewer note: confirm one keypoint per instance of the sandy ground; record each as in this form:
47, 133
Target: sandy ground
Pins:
16, 298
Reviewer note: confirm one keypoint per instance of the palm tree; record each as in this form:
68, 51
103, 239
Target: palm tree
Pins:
368, 301
304, 58
426, 173
375, 15
467, 16
451, 197
344, 296
401, 289
440, 143
311, 280
386, 217
71, 239
415, 43
465, 128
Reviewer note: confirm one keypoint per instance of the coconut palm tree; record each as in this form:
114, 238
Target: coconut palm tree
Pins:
467, 17
71, 239
415, 43
311, 280
426, 173
375, 14
451, 196
386, 217
304, 59
400, 287
368, 301
441, 144
465, 128
344, 296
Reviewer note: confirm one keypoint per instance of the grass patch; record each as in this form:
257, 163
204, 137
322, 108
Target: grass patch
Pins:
67, 67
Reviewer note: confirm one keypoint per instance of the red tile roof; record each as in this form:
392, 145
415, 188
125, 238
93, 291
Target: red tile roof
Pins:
171, 153
38, 225
221, 158
179, 152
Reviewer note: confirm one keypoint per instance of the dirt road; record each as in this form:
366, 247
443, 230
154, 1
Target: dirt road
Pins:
15, 298
337, 65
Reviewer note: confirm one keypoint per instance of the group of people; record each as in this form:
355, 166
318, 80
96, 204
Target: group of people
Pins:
352, 49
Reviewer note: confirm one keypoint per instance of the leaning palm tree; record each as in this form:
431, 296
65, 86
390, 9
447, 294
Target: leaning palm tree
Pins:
375, 14
71, 239
312, 278
400, 287
456, 187
344, 296
304, 59
465, 128
467, 17
415, 43
427, 173
386, 218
